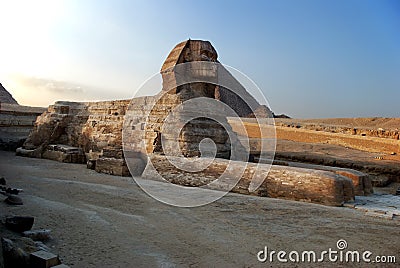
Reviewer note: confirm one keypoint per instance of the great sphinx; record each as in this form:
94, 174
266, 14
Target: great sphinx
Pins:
94, 129
140, 133
190, 74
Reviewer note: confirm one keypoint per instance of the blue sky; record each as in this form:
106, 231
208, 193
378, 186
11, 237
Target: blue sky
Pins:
310, 58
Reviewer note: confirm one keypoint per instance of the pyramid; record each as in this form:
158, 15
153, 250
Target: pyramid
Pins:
5, 96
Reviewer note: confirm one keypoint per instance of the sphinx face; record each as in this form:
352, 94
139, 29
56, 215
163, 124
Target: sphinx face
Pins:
200, 51
192, 60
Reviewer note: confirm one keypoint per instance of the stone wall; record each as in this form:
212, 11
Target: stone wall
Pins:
361, 181
16, 122
95, 129
91, 127
301, 184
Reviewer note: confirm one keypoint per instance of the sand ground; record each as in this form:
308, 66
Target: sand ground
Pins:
99, 220
363, 122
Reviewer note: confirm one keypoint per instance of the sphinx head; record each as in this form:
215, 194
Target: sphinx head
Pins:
191, 60
198, 50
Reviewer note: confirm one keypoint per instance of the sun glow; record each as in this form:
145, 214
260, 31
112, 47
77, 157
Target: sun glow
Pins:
26, 44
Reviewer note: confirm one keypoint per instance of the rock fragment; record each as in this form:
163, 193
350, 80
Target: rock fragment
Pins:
43, 259
14, 200
38, 235
19, 223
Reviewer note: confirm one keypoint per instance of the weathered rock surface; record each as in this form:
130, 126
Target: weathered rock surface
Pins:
38, 235
293, 183
16, 251
64, 153
43, 258
78, 132
361, 181
19, 223
16, 122
14, 200
112, 166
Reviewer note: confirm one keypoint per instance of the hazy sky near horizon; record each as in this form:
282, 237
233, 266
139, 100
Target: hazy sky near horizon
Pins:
310, 58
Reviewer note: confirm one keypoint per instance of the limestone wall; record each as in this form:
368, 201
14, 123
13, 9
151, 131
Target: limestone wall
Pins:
95, 128
16, 122
301, 184
92, 127
361, 181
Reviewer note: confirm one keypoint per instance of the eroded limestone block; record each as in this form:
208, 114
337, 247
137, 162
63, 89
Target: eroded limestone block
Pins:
361, 181
24, 152
91, 164
38, 235
64, 153
112, 166
43, 259
301, 184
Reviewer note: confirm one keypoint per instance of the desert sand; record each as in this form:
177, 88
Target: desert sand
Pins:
99, 220
362, 122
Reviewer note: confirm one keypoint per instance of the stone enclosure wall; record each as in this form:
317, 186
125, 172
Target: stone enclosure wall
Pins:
93, 132
16, 122
301, 184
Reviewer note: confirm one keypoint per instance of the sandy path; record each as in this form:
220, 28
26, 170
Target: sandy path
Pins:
106, 221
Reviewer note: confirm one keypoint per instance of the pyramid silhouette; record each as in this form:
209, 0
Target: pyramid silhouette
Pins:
5, 96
